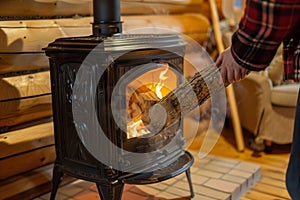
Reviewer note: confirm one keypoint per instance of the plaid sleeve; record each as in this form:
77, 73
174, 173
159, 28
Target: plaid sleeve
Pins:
261, 30
291, 55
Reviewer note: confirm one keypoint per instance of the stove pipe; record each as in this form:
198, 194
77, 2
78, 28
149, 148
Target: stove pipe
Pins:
106, 18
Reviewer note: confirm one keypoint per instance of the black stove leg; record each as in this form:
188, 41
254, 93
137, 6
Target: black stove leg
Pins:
57, 174
188, 176
110, 191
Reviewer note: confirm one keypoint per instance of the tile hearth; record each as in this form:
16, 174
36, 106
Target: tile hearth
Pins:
213, 178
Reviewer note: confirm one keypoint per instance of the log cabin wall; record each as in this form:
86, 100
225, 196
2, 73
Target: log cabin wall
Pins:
27, 26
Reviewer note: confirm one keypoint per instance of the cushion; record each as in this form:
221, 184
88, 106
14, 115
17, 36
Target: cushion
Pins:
285, 95
275, 70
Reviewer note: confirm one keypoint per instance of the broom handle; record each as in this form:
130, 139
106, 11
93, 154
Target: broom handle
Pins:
229, 89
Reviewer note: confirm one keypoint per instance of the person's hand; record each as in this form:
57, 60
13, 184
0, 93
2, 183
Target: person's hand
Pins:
230, 70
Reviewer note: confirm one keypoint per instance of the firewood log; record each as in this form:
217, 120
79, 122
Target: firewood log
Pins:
169, 109
141, 100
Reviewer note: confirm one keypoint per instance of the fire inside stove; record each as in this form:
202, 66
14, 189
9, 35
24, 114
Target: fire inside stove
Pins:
144, 92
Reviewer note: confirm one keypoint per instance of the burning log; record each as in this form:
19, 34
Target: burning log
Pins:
141, 100
182, 100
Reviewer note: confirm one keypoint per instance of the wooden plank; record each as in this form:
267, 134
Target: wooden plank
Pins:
205, 191
34, 115
188, 24
159, 7
268, 162
33, 35
27, 161
255, 195
44, 8
273, 182
31, 184
25, 85
34, 137
26, 105
50, 8
25, 98
272, 190
15, 185
17, 62
277, 175
40, 189
244, 198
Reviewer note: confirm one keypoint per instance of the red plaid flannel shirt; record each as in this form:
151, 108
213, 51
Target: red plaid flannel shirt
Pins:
264, 26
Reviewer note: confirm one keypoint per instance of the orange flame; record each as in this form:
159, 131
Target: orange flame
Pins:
136, 127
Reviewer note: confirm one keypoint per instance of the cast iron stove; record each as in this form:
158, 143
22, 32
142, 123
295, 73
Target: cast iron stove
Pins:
98, 88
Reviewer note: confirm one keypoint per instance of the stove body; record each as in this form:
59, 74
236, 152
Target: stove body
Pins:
105, 58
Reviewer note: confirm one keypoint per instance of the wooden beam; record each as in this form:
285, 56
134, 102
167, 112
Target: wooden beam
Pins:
30, 184
52, 8
24, 98
26, 139
26, 161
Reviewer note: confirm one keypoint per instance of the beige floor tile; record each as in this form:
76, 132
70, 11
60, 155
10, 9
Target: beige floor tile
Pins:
209, 174
222, 185
216, 178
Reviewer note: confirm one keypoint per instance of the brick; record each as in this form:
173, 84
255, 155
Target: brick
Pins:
234, 179
198, 179
182, 184
239, 173
226, 160
206, 191
200, 159
248, 167
180, 192
222, 185
201, 197
224, 163
210, 174
217, 168
180, 177
170, 181
194, 169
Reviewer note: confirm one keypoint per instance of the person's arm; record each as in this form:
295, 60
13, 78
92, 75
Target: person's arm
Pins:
261, 30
